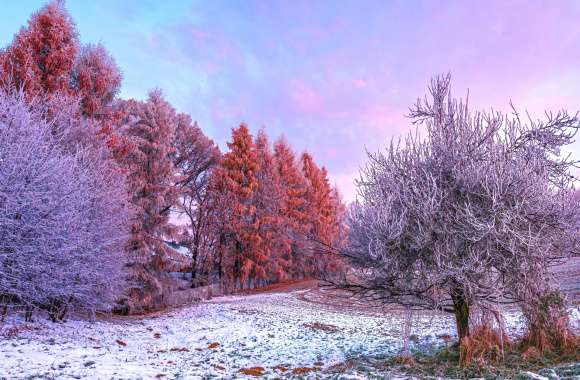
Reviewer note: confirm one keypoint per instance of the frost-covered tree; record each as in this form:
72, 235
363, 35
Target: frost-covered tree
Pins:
96, 79
294, 208
42, 55
63, 213
149, 130
471, 211
325, 213
196, 156
234, 186
268, 201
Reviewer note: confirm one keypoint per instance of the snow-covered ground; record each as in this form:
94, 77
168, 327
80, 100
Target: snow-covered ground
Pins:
283, 333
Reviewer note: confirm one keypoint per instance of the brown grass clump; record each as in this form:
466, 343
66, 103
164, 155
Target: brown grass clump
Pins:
120, 342
280, 368
322, 327
549, 325
157, 335
406, 360
303, 370
179, 349
531, 354
484, 345
253, 371
213, 345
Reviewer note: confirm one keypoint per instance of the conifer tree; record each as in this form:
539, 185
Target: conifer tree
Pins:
42, 54
294, 210
269, 204
324, 213
96, 79
241, 257
150, 129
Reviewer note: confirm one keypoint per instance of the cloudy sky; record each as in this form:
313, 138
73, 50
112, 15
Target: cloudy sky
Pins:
335, 77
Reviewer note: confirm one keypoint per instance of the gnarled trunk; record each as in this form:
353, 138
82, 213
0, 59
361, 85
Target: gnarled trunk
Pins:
461, 311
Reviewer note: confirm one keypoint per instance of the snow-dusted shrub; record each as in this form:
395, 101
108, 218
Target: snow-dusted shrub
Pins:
63, 213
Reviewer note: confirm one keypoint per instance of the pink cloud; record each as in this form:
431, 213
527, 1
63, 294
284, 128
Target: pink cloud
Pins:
199, 34
304, 97
360, 83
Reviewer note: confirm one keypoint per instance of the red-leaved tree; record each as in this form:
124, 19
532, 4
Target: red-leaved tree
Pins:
268, 201
96, 80
235, 183
325, 213
42, 55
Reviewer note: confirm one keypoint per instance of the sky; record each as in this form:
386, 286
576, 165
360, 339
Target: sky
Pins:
336, 78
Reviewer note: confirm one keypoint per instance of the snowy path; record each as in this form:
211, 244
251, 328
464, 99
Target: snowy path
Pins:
280, 332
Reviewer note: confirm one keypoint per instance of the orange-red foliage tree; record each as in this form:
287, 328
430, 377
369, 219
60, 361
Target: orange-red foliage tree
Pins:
42, 54
269, 203
96, 79
325, 211
241, 255
294, 210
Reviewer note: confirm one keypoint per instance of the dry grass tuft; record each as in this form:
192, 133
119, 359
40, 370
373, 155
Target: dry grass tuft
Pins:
280, 368
253, 371
120, 342
406, 360
304, 370
484, 345
179, 349
213, 345
549, 325
322, 327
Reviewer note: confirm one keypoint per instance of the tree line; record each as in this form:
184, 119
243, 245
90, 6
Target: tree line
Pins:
91, 184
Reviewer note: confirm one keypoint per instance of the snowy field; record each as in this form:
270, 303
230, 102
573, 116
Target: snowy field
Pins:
285, 335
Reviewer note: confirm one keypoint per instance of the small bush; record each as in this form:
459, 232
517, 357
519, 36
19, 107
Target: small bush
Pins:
548, 324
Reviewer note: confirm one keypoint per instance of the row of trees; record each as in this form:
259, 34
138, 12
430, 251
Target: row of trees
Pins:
253, 215
272, 213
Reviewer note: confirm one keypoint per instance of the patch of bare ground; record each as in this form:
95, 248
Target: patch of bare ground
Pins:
282, 287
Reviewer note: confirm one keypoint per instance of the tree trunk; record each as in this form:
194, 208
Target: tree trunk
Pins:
461, 311
194, 267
